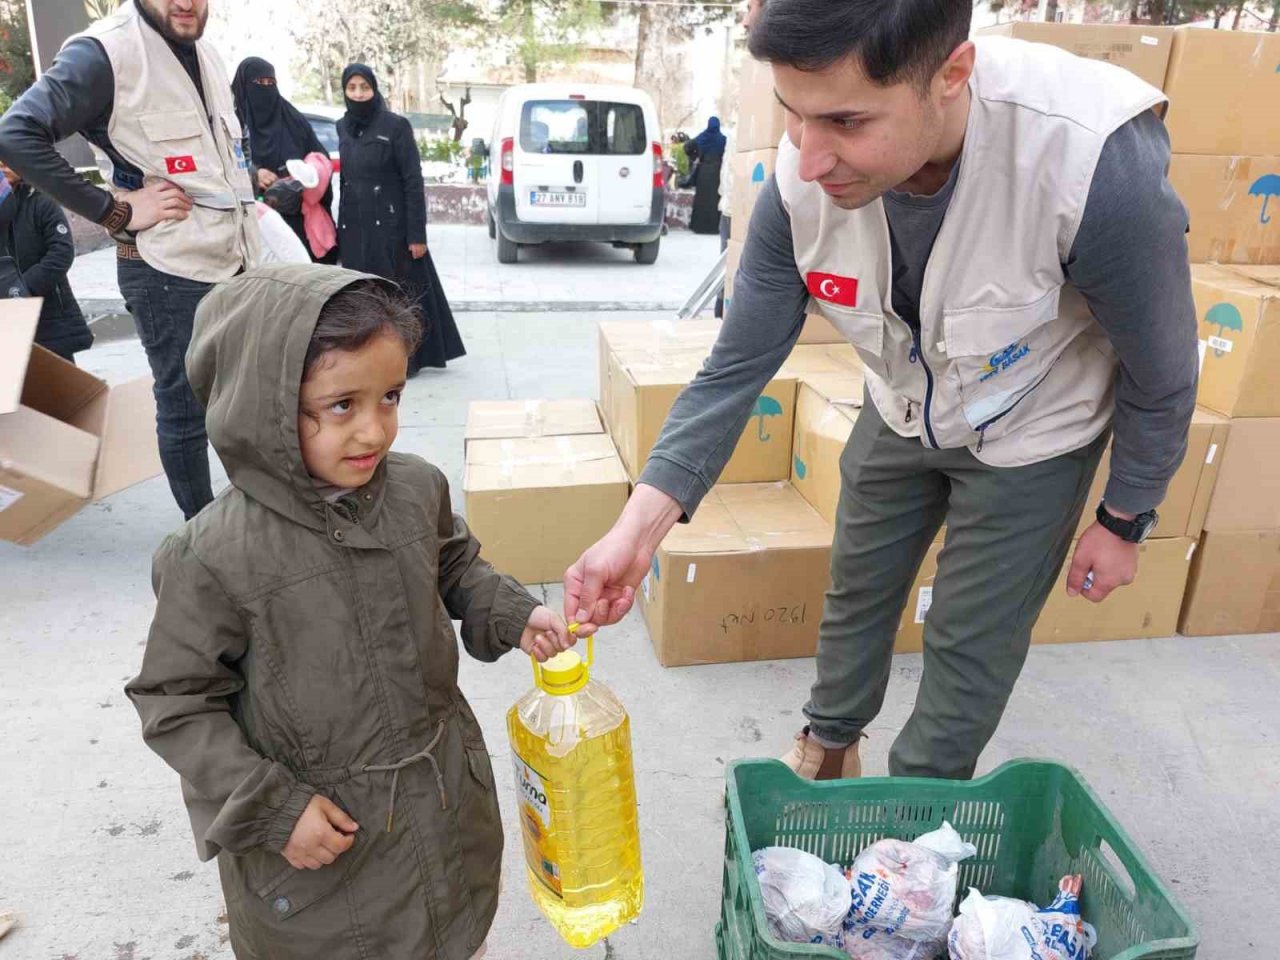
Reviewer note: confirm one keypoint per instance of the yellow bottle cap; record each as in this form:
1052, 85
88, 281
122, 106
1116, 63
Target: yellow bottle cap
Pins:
566, 672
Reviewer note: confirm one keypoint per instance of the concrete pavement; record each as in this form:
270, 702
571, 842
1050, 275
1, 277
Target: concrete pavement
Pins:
1178, 736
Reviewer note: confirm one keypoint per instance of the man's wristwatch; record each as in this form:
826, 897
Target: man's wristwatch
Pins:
1130, 531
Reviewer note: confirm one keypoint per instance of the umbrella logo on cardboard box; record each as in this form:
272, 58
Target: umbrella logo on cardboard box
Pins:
765, 407
1224, 316
1266, 187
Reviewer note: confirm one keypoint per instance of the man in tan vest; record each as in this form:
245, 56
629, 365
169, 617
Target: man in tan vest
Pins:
155, 103
990, 224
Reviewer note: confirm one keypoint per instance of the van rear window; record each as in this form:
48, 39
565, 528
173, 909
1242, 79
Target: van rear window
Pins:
583, 127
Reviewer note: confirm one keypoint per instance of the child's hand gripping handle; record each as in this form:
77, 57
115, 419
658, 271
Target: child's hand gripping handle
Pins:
573, 631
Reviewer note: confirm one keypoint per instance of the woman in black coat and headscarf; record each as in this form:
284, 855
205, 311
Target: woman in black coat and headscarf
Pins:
707, 151
275, 133
382, 221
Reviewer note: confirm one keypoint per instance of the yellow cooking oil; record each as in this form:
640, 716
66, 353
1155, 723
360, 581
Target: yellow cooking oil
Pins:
576, 793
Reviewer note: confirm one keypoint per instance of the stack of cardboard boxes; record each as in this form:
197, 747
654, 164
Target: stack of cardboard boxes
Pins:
1226, 169
542, 482
745, 579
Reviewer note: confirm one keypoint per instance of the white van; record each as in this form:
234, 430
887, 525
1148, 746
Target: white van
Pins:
576, 162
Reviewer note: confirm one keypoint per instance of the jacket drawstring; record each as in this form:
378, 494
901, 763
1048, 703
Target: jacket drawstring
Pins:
395, 768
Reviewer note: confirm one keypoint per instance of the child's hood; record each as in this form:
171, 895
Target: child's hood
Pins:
245, 365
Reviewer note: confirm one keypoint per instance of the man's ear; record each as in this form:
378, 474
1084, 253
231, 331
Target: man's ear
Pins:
953, 76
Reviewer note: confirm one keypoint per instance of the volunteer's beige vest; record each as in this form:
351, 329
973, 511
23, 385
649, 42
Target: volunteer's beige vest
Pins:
159, 124
1010, 361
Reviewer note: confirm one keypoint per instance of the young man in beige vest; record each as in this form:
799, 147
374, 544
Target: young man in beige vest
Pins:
154, 101
990, 225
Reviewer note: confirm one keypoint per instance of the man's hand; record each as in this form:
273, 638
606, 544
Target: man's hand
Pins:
322, 834
601, 587
417, 250
546, 635
1109, 560
156, 202
266, 178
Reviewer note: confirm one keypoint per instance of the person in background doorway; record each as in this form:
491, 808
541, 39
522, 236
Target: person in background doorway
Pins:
275, 133
707, 151
35, 233
155, 102
382, 220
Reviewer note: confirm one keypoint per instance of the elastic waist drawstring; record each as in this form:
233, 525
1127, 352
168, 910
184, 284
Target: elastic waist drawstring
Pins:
395, 768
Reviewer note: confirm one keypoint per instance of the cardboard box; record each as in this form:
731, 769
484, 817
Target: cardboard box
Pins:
1185, 506
745, 580
1239, 318
818, 329
823, 425
1223, 87
1235, 585
1146, 608
656, 341
751, 171
643, 389
509, 419
66, 438
811, 359
536, 503
1141, 49
761, 119
1233, 219
1247, 494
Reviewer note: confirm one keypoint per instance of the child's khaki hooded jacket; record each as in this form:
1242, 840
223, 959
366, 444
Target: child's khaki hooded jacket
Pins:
302, 647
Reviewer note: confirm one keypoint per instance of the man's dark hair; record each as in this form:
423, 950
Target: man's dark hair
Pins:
894, 40
357, 314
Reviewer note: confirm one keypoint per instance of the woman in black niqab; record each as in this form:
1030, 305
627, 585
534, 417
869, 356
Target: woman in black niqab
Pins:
382, 223
275, 132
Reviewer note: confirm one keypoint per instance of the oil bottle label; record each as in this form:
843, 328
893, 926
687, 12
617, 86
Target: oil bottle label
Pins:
535, 821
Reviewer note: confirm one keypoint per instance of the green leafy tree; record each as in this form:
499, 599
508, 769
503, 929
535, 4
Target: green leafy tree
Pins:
545, 31
17, 71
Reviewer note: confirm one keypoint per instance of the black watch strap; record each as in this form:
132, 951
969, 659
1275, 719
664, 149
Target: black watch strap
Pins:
1131, 531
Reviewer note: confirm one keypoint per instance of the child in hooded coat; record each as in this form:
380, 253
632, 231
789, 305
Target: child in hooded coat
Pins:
301, 671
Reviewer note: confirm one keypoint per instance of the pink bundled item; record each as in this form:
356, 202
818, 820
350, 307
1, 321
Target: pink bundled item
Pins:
314, 173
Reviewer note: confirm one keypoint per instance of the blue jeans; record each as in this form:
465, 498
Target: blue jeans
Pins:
163, 309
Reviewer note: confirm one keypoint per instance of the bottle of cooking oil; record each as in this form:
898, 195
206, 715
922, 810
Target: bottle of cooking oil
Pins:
571, 749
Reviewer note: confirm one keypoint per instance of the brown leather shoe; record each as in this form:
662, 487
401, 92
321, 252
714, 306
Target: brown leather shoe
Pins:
812, 761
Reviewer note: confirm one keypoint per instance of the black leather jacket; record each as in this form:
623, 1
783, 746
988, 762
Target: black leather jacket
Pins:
75, 95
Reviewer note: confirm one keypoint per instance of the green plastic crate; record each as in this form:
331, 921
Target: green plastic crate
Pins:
1033, 823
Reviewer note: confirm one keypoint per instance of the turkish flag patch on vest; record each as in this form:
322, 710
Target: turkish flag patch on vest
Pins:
180, 164
842, 291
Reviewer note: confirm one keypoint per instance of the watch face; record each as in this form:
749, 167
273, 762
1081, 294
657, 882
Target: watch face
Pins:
1148, 523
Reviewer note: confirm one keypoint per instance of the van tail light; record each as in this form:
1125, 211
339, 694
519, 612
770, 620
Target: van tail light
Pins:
508, 162
659, 181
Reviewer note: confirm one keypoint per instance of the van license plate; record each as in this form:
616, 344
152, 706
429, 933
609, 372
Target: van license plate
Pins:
554, 198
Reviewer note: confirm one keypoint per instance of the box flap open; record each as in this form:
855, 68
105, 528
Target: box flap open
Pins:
18, 320
129, 453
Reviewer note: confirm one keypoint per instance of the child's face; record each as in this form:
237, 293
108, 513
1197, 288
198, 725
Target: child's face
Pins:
347, 411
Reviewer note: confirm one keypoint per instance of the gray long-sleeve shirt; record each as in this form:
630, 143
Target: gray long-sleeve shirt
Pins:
1129, 261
